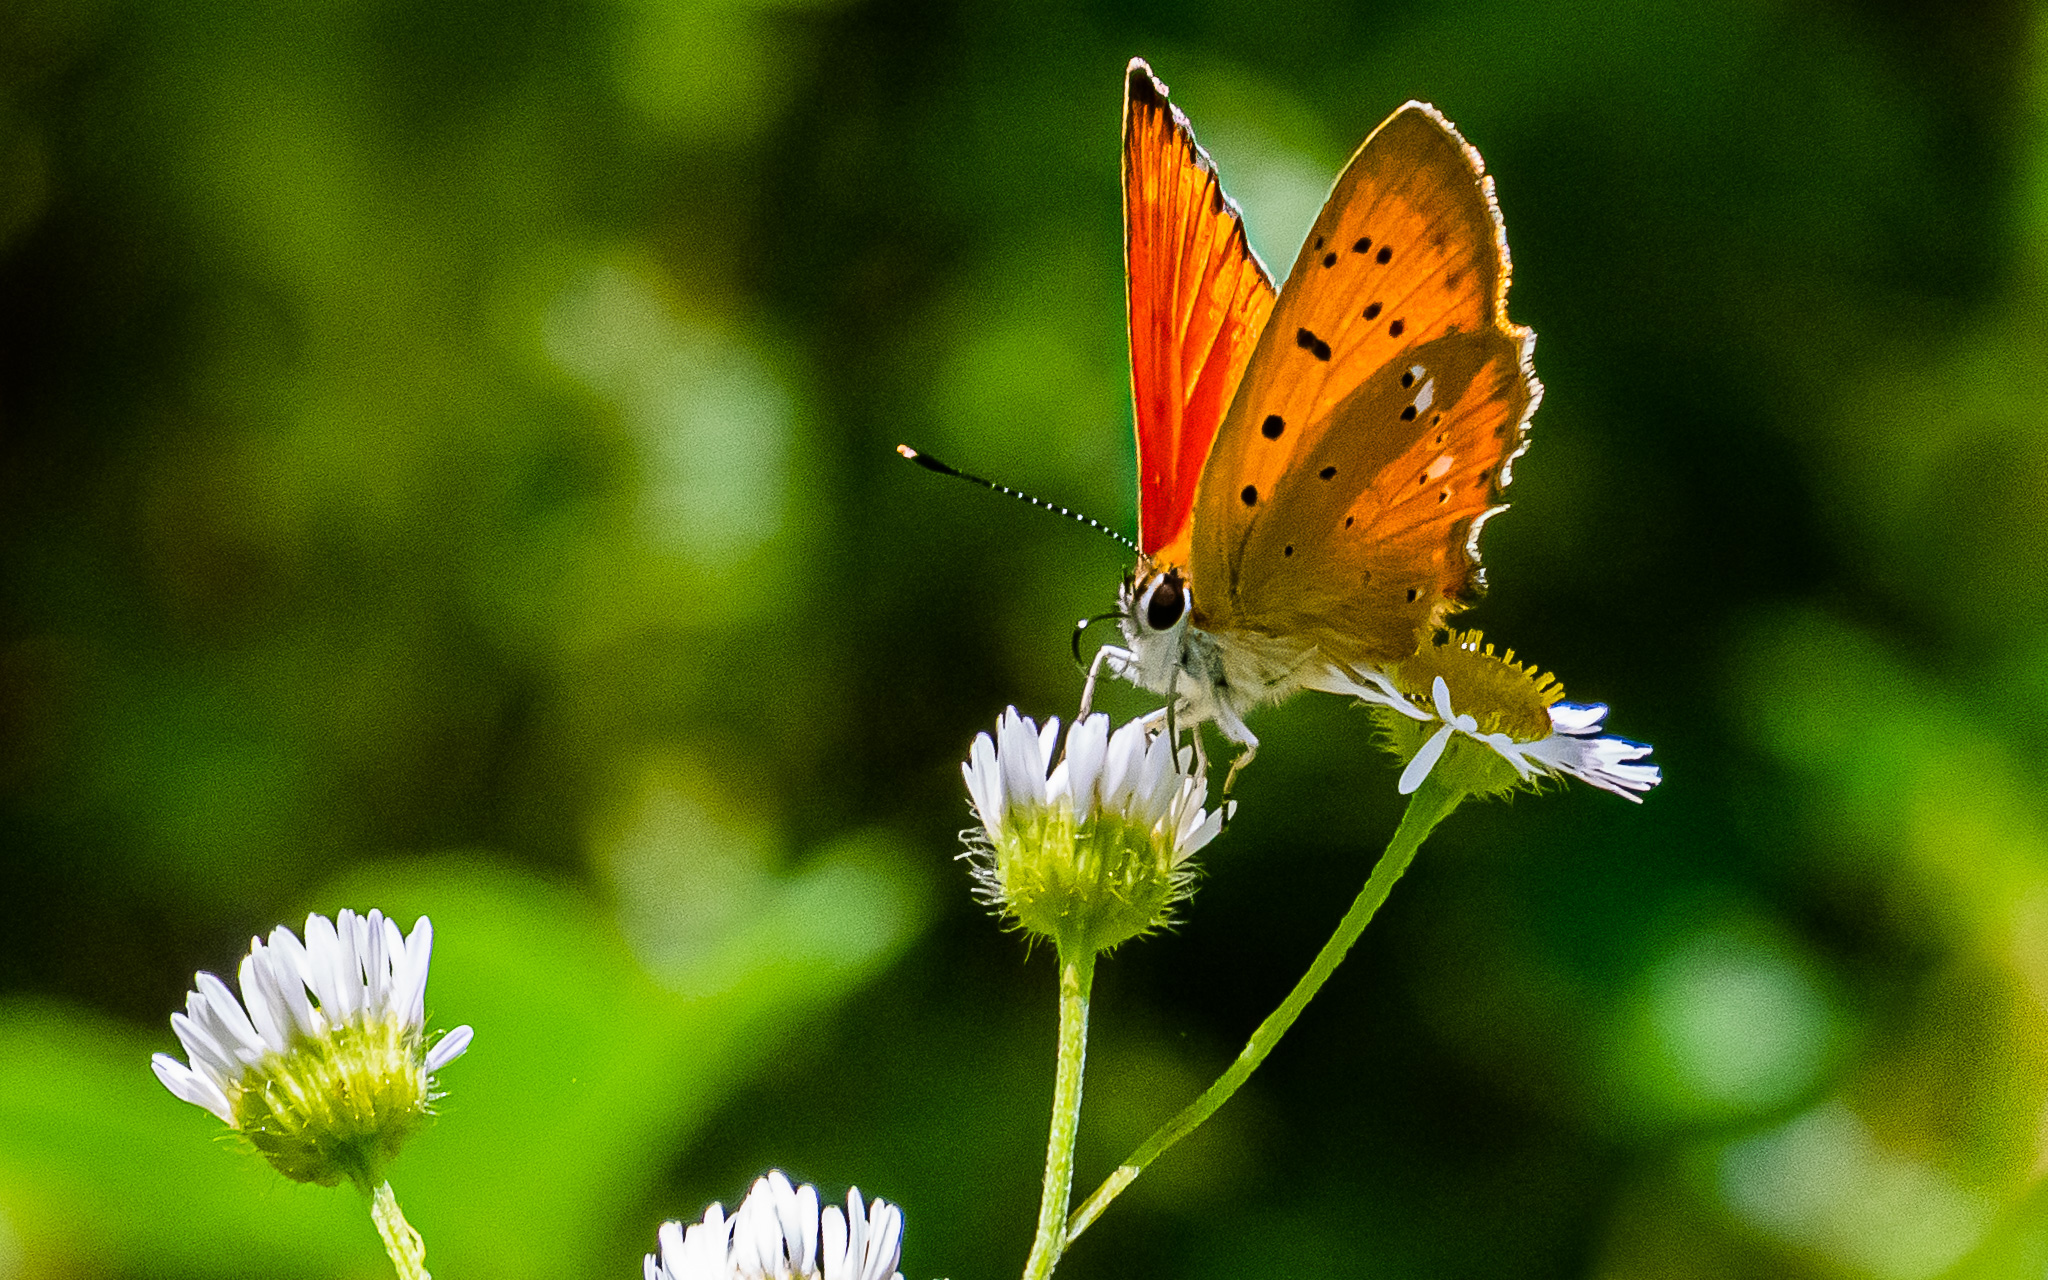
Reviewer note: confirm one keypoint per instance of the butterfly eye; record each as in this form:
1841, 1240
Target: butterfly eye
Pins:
1165, 602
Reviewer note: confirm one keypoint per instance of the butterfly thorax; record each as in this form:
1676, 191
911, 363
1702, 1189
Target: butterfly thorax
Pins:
1212, 675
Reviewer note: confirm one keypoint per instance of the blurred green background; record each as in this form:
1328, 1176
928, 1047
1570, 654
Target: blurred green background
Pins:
445, 466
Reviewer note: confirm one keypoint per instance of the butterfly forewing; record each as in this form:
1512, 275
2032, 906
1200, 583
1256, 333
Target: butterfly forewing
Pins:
1374, 427
1198, 298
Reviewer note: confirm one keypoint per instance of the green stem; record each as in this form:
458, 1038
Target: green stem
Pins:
1077, 974
408, 1252
1430, 804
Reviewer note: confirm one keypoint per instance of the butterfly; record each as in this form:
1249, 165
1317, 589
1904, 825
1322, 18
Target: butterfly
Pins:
1315, 464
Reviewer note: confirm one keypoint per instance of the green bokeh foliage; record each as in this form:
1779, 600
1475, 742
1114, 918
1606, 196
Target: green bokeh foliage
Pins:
445, 466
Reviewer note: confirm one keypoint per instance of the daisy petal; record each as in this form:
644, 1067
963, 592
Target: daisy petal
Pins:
1424, 761
449, 1048
192, 1086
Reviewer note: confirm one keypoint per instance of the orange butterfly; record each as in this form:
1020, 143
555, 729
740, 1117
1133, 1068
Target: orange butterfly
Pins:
1314, 467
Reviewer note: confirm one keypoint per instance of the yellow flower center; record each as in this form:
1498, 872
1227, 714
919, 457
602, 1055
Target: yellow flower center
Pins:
1089, 885
336, 1106
1504, 696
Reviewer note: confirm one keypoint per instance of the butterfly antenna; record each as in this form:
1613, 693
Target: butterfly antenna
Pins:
929, 463
1081, 629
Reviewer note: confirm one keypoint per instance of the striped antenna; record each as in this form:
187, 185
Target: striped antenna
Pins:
929, 463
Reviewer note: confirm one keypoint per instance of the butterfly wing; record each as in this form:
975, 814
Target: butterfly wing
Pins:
1198, 298
1372, 434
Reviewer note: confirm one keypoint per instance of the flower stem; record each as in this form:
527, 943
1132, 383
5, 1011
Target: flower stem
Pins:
1077, 974
1431, 804
408, 1252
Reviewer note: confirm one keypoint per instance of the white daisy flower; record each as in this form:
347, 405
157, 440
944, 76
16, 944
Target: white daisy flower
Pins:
861, 1246
323, 1064
1575, 748
1518, 714
703, 1251
1093, 850
778, 1233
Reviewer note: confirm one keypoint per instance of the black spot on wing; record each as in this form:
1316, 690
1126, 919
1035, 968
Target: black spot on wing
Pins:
1372, 311
1364, 245
1385, 255
1273, 426
1311, 343
1328, 473
1250, 494
1394, 329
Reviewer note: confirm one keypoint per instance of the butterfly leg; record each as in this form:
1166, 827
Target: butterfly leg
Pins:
1102, 656
1234, 728
1170, 716
1173, 723
1244, 758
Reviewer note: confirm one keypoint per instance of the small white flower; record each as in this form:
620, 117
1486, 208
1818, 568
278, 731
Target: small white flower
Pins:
778, 1233
323, 1062
703, 1252
862, 1246
1095, 848
1130, 774
775, 1233
1572, 747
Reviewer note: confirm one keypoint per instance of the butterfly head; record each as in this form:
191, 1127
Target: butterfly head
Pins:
1156, 599
1154, 611
1154, 603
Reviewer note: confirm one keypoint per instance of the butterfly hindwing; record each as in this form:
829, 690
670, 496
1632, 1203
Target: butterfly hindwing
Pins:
1373, 430
1366, 572
1198, 298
